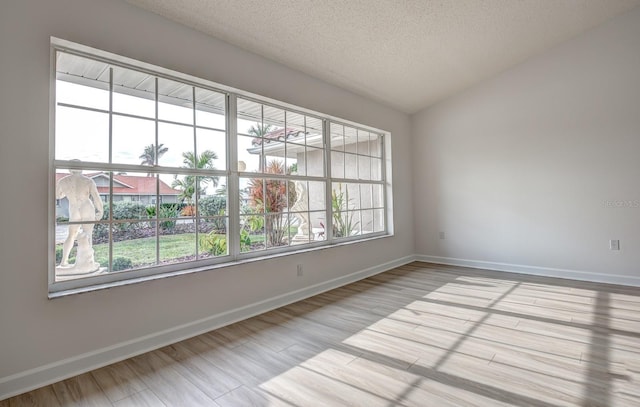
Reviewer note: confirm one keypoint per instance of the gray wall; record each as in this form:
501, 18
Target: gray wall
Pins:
539, 167
36, 331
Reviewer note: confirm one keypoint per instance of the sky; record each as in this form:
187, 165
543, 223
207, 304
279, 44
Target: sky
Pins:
84, 134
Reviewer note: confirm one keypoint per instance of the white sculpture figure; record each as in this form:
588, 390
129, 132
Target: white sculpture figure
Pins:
303, 215
84, 205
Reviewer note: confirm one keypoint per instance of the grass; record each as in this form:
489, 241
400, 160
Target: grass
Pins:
143, 251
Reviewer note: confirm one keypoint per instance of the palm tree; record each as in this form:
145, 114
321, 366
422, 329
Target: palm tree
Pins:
259, 130
187, 186
150, 154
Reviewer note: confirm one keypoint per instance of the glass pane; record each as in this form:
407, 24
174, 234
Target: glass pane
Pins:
300, 167
378, 220
131, 138
214, 141
351, 166
314, 131
366, 222
363, 142
81, 135
273, 117
249, 153
276, 228
293, 152
82, 81
134, 245
295, 120
178, 140
252, 233
315, 162
177, 240
295, 135
274, 157
338, 197
175, 101
246, 193
80, 196
210, 109
317, 222
300, 230
337, 137
376, 169
366, 201
337, 165
375, 145
79, 205
274, 195
353, 196
378, 196
133, 92
350, 140
213, 237
364, 167
250, 116
212, 196
316, 195
95, 95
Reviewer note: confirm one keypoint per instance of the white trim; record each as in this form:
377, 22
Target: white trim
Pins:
53, 372
579, 275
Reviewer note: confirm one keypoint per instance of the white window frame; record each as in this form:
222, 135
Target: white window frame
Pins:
61, 288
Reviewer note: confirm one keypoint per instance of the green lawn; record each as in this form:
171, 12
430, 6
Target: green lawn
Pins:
143, 251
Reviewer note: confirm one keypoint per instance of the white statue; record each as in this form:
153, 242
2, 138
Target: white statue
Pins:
302, 207
84, 205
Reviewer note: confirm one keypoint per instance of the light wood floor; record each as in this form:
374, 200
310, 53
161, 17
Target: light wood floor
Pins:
419, 335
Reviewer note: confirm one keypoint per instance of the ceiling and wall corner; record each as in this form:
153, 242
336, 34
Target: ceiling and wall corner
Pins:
405, 54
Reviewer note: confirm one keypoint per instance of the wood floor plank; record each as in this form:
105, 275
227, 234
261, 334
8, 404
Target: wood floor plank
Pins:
79, 391
166, 383
118, 381
43, 397
420, 334
145, 398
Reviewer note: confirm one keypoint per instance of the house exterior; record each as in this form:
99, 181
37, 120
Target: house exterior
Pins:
125, 188
352, 157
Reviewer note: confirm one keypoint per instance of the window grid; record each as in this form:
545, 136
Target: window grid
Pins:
232, 173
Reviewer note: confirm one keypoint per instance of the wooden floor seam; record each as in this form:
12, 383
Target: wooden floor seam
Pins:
418, 335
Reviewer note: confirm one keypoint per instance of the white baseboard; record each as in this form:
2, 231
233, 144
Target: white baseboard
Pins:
534, 270
63, 369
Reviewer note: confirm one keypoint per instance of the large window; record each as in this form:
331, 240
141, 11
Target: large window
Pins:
155, 172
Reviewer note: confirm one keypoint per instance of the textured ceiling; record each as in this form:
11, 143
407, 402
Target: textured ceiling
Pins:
406, 54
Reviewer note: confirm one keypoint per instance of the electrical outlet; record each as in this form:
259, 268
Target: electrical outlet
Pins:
299, 270
441, 234
614, 244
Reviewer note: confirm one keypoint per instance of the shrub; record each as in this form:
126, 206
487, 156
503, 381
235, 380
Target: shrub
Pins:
216, 244
271, 197
121, 263
214, 206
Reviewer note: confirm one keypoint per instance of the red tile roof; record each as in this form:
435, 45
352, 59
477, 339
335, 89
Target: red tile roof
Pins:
280, 135
129, 185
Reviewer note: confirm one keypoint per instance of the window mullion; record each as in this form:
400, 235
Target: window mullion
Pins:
233, 182
196, 212
110, 220
328, 228
156, 160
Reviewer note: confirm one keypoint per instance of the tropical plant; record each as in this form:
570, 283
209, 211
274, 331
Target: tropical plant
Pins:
343, 225
260, 130
152, 153
216, 244
187, 185
269, 196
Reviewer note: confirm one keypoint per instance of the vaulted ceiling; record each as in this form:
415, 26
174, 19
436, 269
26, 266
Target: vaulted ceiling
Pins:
407, 54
